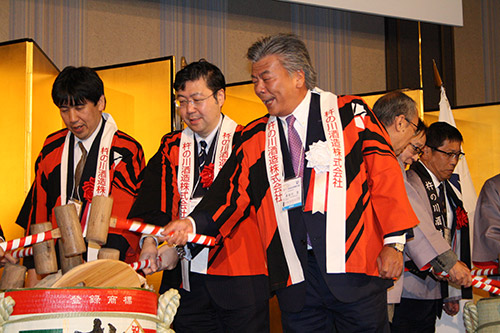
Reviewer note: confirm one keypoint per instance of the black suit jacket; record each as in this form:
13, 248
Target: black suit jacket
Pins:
348, 287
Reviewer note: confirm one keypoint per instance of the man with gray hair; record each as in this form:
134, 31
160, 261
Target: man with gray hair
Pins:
321, 179
398, 113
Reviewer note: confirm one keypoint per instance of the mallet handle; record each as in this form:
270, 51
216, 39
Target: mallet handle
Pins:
154, 230
30, 240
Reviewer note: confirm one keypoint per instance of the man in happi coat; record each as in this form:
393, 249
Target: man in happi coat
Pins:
441, 242
399, 115
321, 179
89, 157
224, 288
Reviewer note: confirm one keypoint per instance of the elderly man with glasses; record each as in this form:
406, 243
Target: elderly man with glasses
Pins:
441, 240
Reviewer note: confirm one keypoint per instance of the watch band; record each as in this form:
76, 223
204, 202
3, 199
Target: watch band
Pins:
397, 246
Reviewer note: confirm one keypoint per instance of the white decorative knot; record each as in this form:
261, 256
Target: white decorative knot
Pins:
318, 157
167, 308
6, 308
471, 317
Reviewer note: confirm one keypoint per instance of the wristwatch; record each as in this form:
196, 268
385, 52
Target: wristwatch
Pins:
397, 246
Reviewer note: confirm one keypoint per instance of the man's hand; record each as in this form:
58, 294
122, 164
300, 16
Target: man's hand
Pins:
6, 257
451, 308
175, 232
169, 258
149, 252
390, 263
460, 275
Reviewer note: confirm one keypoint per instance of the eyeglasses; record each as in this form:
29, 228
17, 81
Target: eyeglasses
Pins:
416, 150
450, 155
196, 102
414, 125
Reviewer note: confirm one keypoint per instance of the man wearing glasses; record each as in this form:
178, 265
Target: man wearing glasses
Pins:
224, 288
399, 114
413, 151
393, 110
441, 240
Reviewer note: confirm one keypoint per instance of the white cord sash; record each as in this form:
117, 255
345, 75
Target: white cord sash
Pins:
336, 193
185, 183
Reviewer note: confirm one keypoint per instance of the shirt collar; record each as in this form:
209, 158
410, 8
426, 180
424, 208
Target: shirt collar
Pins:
210, 138
435, 181
301, 112
87, 143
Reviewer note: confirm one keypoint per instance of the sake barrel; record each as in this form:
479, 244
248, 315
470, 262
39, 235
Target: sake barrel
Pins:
81, 309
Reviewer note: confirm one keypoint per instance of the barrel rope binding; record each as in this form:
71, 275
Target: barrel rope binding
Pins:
471, 317
167, 308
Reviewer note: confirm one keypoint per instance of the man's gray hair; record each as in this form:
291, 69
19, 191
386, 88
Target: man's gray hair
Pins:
292, 52
392, 105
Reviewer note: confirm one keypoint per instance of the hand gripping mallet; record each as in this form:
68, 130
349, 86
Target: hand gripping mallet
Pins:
98, 228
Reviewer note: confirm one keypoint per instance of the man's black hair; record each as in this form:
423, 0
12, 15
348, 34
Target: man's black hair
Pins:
440, 131
76, 85
200, 69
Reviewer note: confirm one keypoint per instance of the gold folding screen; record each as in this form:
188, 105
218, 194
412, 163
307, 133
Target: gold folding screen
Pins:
242, 105
139, 97
26, 77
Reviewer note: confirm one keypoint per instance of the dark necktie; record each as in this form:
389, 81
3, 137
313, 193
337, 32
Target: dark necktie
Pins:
202, 156
295, 147
442, 200
442, 203
81, 164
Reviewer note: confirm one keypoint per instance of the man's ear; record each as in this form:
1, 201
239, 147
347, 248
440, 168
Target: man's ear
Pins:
427, 152
101, 103
300, 78
399, 123
221, 97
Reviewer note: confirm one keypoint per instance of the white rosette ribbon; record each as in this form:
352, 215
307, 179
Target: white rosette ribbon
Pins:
318, 157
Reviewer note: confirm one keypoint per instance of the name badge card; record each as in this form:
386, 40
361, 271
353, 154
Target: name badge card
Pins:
292, 193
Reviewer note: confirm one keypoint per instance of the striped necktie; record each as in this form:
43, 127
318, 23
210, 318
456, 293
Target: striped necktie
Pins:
295, 147
202, 156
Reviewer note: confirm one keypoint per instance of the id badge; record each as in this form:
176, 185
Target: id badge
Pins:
292, 193
78, 205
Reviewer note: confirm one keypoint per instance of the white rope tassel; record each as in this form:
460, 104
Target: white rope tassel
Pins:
471, 318
167, 308
6, 308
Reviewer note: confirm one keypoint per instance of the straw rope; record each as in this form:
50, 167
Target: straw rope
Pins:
167, 308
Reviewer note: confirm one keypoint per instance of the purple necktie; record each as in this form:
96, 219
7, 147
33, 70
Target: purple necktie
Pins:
295, 147
296, 154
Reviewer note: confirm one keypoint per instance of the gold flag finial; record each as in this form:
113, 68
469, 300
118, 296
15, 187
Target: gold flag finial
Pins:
183, 62
437, 78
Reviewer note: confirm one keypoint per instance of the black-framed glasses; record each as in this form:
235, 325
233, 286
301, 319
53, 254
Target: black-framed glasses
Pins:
182, 103
414, 125
417, 150
450, 155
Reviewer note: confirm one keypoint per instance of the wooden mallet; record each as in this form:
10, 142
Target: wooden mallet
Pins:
71, 230
100, 220
44, 254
